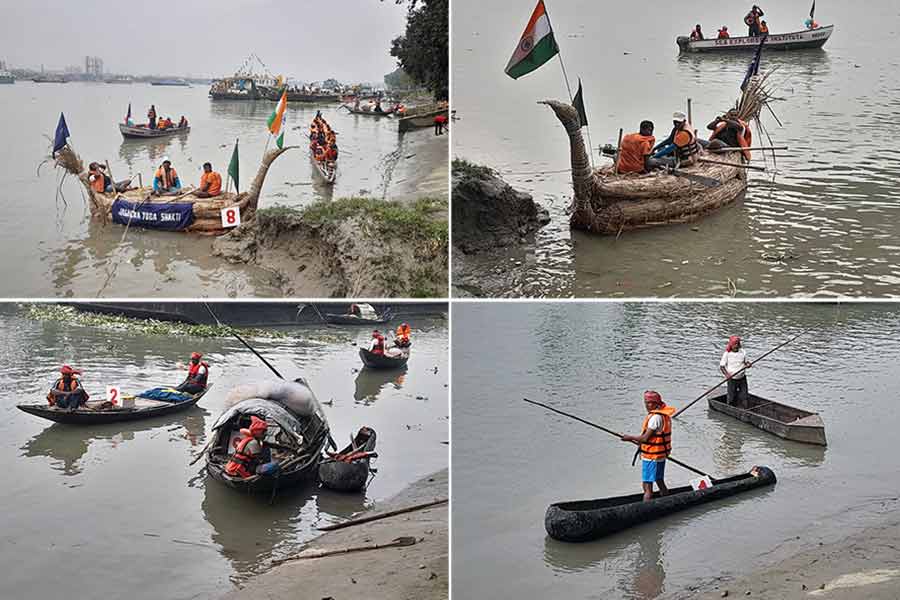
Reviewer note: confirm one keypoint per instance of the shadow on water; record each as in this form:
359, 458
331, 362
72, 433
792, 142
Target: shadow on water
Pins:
66, 445
371, 382
137, 152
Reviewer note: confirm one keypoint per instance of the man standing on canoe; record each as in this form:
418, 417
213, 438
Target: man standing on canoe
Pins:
656, 443
732, 366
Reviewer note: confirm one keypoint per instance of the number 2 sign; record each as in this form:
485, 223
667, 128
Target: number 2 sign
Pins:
113, 394
231, 217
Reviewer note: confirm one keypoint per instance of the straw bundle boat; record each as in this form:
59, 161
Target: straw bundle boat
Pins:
608, 203
206, 213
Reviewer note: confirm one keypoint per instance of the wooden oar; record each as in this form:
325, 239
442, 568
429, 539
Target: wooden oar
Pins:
707, 392
316, 553
733, 149
727, 164
618, 435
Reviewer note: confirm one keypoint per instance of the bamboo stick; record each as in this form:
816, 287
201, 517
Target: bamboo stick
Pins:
618, 152
732, 149
379, 516
728, 164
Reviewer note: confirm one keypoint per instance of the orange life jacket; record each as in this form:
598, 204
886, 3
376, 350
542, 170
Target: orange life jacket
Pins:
165, 180
744, 137
99, 182
686, 146
403, 332
635, 148
763, 28
660, 444
240, 463
331, 153
196, 376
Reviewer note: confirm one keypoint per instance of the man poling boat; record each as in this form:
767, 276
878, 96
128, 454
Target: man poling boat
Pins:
655, 442
733, 366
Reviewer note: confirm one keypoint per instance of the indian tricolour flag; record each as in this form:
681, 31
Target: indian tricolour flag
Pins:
536, 47
277, 117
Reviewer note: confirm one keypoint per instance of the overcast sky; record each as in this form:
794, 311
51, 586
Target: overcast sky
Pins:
304, 39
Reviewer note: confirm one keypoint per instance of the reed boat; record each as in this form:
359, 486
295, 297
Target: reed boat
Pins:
143, 132
349, 469
137, 207
785, 421
796, 40
383, 361
98, 413
586, 520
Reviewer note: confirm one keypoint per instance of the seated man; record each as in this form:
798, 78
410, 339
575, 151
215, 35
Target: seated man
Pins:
377, 345
210, 183
763, 28
682, 143
730, 131
166, 181
67, 391
403, 334
183, 122
198, 373
251, 455
723, 33
697, 34
636, 148
99, 180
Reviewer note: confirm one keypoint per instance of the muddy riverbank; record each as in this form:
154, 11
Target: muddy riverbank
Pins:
417, 572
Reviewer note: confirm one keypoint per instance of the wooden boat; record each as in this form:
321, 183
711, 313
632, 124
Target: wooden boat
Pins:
383, 361
796, 40
296, 439
348, 470
171, 82
143, 132
586, 520
297, 95
138, 208
607, 203
97, 413
49, 79
360, 314
779, 419
422, 116
367, 113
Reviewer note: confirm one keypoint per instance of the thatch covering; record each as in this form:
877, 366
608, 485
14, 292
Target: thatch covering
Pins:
207, 211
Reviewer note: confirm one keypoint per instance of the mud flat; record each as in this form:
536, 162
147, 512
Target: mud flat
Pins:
416, 572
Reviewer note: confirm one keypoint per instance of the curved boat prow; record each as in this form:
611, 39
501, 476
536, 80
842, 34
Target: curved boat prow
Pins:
256, 187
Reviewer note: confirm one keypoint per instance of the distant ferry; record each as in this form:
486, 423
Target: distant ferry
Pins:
7, 77
171, 82
50, 79
120, 80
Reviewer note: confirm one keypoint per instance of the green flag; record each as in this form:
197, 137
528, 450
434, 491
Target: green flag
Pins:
279, 141
578, 103
234, 168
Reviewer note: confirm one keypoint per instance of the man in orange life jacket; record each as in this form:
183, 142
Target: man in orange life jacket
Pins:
377, 345
198, 373
251, 455
656, 443
403, 333
682, 143
67, 391
730, 131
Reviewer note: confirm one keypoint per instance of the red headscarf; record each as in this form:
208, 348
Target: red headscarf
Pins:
257, 425
732, 342
653, 397
196, 355
67, 370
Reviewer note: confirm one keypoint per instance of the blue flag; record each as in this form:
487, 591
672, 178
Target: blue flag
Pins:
62, 135
753, 69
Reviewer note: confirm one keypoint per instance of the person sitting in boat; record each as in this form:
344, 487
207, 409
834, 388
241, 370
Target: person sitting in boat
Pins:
377, 345
730, 131
331, 154
402, 339
166, 181
151, 117
656, 443
697, 34
682, 143
183, 122
723, 33
732, 366
752, 20
636, 149
811, 24
100, 181
210, 183
251, 455
67, 391
198, 374
763, 28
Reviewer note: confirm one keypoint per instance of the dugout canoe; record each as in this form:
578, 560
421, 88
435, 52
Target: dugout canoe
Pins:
147, 133
92, 414
297, 436
383, 361
586, 520
136, 207
348, 470
778, 419
795, 40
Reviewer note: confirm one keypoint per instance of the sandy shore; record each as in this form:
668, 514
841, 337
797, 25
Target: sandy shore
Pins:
417, 572
865, 566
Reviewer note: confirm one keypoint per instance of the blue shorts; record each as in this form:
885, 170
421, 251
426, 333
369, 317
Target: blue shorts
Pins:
652, 471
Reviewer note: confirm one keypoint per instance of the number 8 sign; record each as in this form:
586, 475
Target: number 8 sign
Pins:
231, 217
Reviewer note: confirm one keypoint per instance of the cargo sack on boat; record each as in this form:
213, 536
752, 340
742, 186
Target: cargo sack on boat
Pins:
165, 394
295, 396
174, 216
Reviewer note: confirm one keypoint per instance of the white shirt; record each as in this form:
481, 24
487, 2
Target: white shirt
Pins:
734, 362
655, 423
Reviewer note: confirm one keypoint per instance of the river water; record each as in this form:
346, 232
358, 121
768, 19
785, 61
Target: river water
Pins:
825, 226
53, 248
105, 509
511, 459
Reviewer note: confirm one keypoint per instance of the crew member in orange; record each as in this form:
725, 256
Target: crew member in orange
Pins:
403, 334
681, 142
636, 148
67, 391
198, 374
251, 455
656, 443
166, 181
723, 33
730, 131
210, 183
97, 178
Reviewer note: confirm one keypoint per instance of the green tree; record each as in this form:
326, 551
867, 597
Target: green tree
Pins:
422, 51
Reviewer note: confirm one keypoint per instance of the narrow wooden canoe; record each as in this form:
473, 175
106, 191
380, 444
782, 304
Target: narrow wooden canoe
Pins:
586, 520
146, 132
383, 361
796, 40
144, 408
352, 476
368, 113
779, 419
326, 168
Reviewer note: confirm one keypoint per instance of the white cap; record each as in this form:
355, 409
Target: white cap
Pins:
165, 160
679, 116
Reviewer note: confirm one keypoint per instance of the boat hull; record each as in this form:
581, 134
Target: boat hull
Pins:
421, 120
383, 361
368, 113
143, 133
91, 417
262, 483
349, 476
327, 170
778, 419
797, 40
586, 520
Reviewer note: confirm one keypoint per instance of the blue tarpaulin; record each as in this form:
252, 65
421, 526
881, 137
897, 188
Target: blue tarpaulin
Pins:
165, 394
173, 216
